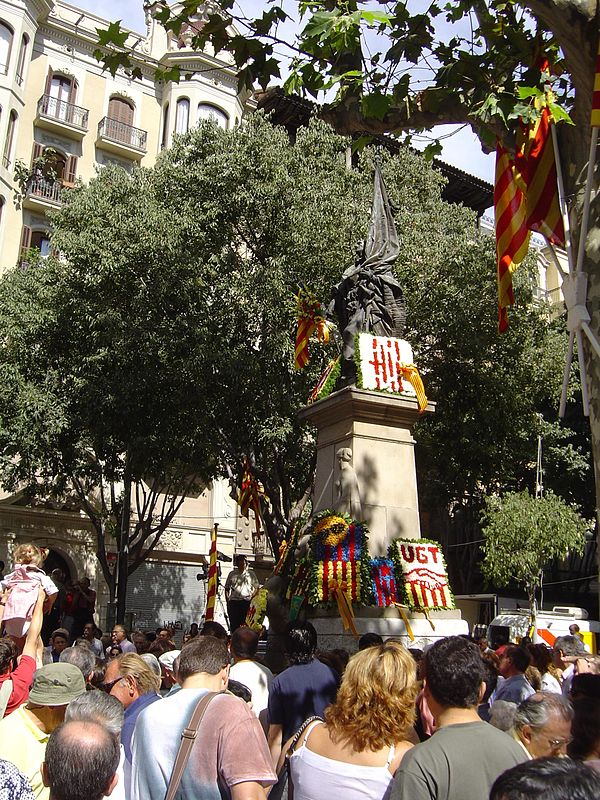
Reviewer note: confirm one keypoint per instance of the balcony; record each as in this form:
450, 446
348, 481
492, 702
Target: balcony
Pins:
122, 139
56, 115
43, 194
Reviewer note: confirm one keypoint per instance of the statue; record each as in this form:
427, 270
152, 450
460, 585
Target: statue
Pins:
348, 494
368, 297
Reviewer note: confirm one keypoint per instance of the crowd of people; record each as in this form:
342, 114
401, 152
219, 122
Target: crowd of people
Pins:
107, 715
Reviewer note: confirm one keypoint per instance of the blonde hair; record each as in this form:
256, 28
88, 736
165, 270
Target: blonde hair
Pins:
144, 676
375, 703
19, 554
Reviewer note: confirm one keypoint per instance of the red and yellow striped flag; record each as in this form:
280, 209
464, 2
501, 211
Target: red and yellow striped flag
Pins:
595, 121
512, 235
249, 496
536, 171
211, 592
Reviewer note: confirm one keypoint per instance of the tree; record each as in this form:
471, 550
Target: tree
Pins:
523, 534
103, 369
477, 62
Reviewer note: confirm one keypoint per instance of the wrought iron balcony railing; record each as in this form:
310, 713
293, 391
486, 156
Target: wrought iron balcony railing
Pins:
54, 109
121, 133
45, 189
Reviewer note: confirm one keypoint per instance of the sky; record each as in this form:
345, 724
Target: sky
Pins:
461, 149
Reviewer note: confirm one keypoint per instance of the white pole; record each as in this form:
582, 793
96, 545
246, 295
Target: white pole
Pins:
584, 390
567, 372
585, 217
562, 203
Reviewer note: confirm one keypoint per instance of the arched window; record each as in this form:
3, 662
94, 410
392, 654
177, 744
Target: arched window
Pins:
216, 115
22, 59
6, 38
10, 136
182, 120
61, 91
119, 120
165, 131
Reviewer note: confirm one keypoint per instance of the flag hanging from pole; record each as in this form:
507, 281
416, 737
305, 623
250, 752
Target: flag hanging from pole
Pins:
512, 235
310, 320
211, 592
595, 121
250, 494
535, 167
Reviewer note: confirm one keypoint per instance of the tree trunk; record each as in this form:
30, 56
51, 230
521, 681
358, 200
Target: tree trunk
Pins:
123, 548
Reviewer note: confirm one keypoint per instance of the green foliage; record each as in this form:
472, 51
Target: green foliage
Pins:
523, 534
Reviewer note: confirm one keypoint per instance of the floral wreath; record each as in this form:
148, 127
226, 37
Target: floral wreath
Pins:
332, 529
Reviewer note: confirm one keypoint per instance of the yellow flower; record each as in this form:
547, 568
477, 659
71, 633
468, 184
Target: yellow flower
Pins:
333, 530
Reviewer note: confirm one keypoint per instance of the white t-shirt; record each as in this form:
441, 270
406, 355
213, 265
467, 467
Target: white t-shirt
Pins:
258, 679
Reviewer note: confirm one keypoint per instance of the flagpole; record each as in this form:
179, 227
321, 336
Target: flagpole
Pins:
585, 217
562, 203
567, 372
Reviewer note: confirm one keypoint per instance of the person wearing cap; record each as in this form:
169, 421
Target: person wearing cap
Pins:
24, 734
134, 684
168, 663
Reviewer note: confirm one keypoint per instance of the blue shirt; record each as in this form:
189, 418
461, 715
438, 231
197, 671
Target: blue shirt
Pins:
299, 692
131, 715
514, 690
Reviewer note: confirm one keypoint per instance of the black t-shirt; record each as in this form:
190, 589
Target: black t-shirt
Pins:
299, 692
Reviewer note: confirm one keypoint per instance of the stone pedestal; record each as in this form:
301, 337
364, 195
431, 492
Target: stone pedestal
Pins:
377, 427
388, 624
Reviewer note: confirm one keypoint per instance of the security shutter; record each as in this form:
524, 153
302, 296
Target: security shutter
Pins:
37, 151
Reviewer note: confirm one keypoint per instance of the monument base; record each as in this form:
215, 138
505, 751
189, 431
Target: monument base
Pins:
387, 623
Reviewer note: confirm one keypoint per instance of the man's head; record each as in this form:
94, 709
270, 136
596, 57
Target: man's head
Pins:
216, 630
8, 654
89, 631
97, 707
81, 657
163, 633
59, 639
567, 646
140, 640
514, 661
543, 724
119, 634
454, 673
204, 655
300, 642
58, 576
241, 562
81, 761
244, 644
56, 685
574, 629
369, 639
550, 778
128, 677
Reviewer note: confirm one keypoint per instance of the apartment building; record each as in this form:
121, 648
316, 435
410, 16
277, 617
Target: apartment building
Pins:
54, 94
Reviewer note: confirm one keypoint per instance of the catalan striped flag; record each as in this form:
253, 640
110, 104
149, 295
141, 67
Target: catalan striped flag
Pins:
249, 496
512, 235
536, 167
595, 121
211, 592
310, 320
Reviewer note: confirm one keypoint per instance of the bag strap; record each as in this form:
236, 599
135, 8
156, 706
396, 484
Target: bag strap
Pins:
299, 732
188, 737
5, 693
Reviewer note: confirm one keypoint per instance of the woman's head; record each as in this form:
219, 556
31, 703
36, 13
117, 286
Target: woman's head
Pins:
375, 704
28, 554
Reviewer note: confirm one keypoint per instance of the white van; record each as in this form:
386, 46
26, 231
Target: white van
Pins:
513, 625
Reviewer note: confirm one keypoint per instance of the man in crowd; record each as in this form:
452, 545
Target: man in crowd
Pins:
95, 645
542, 724
119, 638
19, 677
302, 690
565, 647
550, 778
82, 658
515, 688
134, 684
240, 585
465, 755
24, 734
81, 762
59, 640
229, 758
246, 670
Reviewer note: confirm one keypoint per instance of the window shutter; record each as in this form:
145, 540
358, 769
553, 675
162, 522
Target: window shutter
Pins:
120, 110
25, 245
72, 92
48, 81
70, 173
38, 149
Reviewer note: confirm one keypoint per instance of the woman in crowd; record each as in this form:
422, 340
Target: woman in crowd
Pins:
358, 748
541, 657
585, 731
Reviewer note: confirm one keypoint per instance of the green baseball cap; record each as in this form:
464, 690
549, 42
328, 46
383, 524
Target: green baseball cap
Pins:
56, 685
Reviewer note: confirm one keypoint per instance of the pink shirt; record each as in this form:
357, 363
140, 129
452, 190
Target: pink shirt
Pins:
24, 581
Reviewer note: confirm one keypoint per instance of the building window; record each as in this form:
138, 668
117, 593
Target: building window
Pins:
6, 37
22, 59
182, 120
8, 142
216, 115
41, 241
165, 131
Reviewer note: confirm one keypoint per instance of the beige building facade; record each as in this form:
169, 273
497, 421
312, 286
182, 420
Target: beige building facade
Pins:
54, 94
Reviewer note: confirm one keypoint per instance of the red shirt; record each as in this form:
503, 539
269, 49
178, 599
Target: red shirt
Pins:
22, 678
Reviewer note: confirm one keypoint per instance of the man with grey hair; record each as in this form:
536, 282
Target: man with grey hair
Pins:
542, 724
565, 646
81, 657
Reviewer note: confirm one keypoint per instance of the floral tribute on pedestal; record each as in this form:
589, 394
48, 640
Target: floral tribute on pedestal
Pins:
421, 571
383, 582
